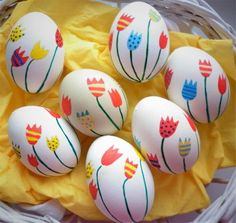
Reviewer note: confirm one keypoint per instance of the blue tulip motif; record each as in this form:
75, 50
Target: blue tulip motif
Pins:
133, 43
189, 92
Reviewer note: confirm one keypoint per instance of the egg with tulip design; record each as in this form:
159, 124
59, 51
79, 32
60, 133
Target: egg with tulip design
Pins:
165, 134
119, 180
197, 83
35, 53
43, 141
93, 102
139, 42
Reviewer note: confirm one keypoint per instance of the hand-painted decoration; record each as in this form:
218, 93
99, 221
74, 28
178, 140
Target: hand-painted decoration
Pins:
189, 93
138, 42
168, 77
41, 139
16, 149
16, 33
57, 117
66, 106
33, 135
205, 69
200, 87
40, 62
184, 149
113, 164
158, 135
34, 163
18, 59
87, 120
97, 88
153, 159
167, 128
222, 86
93, 102
117, 102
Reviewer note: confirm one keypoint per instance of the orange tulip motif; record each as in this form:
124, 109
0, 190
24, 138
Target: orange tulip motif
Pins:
205, 69
97, 89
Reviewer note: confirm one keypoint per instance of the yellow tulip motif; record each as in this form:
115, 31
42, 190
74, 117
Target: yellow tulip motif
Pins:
38, 52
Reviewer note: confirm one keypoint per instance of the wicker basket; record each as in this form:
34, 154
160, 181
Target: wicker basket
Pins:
195, 17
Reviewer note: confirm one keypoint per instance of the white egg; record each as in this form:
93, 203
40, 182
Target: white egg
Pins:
139, 42
197, 83
35, 53
119, 180
93, 102
165, 134
44, 142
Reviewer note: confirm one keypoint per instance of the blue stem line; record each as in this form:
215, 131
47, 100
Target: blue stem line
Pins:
126, 202
163, 155
122, 117
12, 74
26, 75
61, 161
158, 57
108, 116
100, 194
118, 55
147, 49
49, 69
207, 107
42, 162
132, 65
68, 140
145, 186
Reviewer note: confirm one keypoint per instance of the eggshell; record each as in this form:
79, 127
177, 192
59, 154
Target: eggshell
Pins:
165, 134
119, 180
35, 53
139, 42
93, 102
197, 83
44, 142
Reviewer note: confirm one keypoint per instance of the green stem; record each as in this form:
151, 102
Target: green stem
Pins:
189, 110
49, 69
145, 186
68, 140
132, 65
126, 202
197, 145
218, 114
147, 48
107, 114
118, 55
122, 117
12, 74
41, 171
41, 161
163, 155
158, 57
184, 165
62, 162
207, 109
100, 194
26, 75
95, 132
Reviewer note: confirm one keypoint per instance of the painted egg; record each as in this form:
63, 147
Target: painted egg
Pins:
43, 141
199, 86
139, 42
93, 102
165, 134
119, 180
35, 53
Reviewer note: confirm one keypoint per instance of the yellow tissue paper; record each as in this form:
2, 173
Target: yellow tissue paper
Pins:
85, 26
